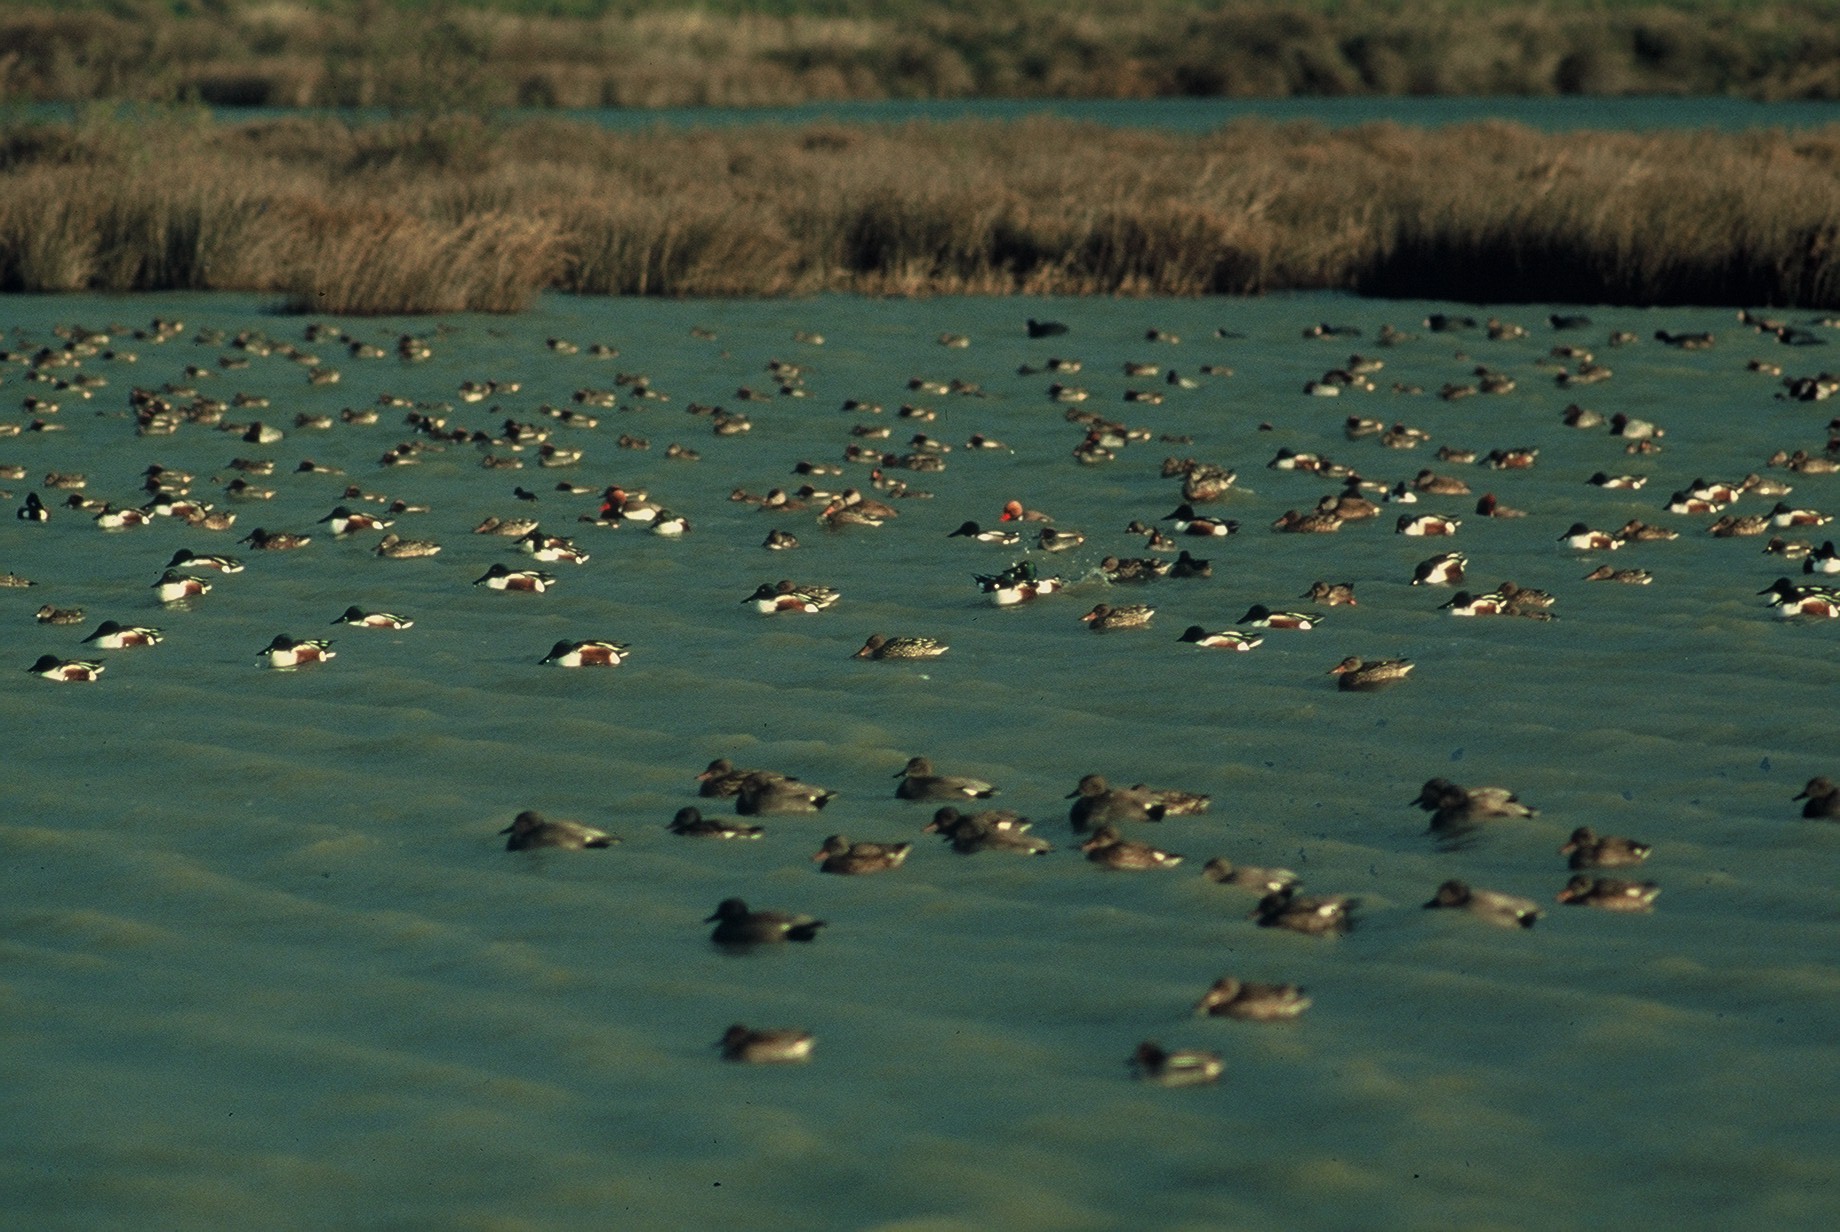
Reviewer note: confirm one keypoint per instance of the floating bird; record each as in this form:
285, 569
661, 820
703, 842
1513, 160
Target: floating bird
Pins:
285, 651
736, 926
530, 830
918, 782
1187, 1067
1231, 998
586, 654
1503, 910
766, 1046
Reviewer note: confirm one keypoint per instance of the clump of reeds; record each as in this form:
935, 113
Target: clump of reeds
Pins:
427, 216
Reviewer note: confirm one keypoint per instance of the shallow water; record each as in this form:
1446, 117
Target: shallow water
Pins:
264, 951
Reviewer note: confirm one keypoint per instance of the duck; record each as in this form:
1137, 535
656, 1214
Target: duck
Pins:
1186, 566
1105, 617
550, 549
1823, 799
1188, 522
738, 926
176, 587
1824, 559
1051, 539
1224, 639
840, 855
1134, 568
1444, 569
288, 652
1316, 915
567, 653
1108, 847
1463, 603
394, 547
1228, 997
1738, 526
1017, 584
1184, 1067
1258, 616
766, 1045
997, 535
111, 635
1502, 910
1015, 511
33, 510
275, 541
1582, 538
52, 615
530, 830
722, 779
691, 823
67, 671
503, 577
880, 647
1317, 522
343, 522
1629, 577
359, 618
789, 596
987, 830
1360, 675
1264, 880
1433, 484
1791, 600
919, 782
185, 558
1426, 525
1588, 849
1451, 805
1096, 802
1609, 893
765, 791
780, 541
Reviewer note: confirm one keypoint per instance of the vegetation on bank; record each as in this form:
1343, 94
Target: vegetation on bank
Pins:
436, 215
492, 54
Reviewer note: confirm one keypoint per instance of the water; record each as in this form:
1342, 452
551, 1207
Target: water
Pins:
264, 951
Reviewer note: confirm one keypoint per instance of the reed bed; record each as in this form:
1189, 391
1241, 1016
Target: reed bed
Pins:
444, 215
658, 53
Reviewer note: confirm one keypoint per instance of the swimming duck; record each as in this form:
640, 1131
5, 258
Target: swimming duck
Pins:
1434, 484
1261, 617
840, 855
736, 926
186, 558
918, 782
1318, 522
1631, 577
1463, 603
766, 1045
1824, 559
1015, 511
691, 823
1134, 568
1188, 522
67, 671
1609, 893
1584, 539
1782, 516
766, 791
1589, 850
586, 654
987, 830
1823, 799
1186, 1067
1331, 594
110, 635
549, 549
1096, 802
1451, 805
1000, 536
1264, 880
1017, 584
33, 510
175, 587
788, 596
1108, 847
503, 577
1444, 569
1791, 600
285, 651
1503, 910
50, 615
1052, 540
1427, 525
343, 522
780, 541
880, 647
394, 547
721, 779
1316, 915
1231, 998
530, 830
1362, 675
1186, 566
1105, 617
275, 541
1637, 531
1225, 639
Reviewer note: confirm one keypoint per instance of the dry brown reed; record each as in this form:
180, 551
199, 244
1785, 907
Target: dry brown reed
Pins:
657, 53
443, 215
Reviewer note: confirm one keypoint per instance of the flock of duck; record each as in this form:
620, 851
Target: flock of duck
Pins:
1102, 817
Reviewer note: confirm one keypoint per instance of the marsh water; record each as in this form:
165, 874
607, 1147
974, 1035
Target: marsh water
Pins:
267, 962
